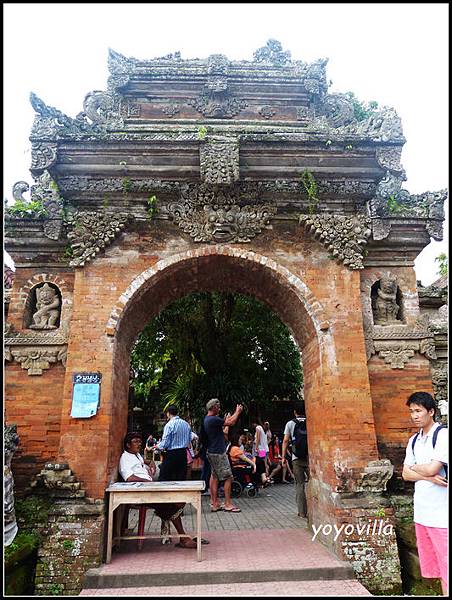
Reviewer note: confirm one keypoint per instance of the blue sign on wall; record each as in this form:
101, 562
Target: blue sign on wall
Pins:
85, 394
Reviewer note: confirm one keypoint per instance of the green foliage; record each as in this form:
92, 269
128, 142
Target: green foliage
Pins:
126, 185
68, 252
55, 589
362, 110
68, 544
310, 186
393, 205
106, 201
381, 513
31, 510
31, 209
442, 261
214, 344
202, 132
151, 206
23, 545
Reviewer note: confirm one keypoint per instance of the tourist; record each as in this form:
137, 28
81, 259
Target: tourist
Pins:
425, 462
261, 444
133, 468
300, 464
275, 460
175, 440
217, 456
239, 458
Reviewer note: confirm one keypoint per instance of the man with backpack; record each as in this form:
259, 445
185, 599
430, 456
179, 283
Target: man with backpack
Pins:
426, 464
295, 432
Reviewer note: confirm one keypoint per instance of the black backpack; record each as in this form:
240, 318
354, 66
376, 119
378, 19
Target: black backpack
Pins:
300, 438
434, 438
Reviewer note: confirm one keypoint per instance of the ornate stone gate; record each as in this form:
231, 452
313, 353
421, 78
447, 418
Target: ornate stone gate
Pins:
246, 176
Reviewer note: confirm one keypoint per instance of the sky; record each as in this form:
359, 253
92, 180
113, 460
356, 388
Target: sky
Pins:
396, 54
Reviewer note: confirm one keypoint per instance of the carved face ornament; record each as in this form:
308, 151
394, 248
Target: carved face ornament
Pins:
221, 222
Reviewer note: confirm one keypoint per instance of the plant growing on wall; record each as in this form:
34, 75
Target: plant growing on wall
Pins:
151, 206
442, 261
310, 186
31, 209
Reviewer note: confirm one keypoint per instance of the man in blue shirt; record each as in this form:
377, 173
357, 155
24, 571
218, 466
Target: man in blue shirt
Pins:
216, 453
175, 441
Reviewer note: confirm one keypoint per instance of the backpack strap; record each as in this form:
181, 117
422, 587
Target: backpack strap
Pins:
435, 434
414, 441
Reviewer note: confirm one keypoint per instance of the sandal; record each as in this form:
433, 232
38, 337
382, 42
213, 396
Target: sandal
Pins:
234, 509
203, 541
217, 509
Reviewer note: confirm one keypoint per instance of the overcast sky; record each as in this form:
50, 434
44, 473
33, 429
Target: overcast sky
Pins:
395, 54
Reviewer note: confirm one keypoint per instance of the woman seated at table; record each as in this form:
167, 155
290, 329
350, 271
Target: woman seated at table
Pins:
133, 468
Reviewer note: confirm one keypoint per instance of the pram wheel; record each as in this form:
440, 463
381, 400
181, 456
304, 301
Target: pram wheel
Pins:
236, 489
250, 491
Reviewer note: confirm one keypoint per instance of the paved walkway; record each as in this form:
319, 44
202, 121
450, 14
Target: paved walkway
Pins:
266, 550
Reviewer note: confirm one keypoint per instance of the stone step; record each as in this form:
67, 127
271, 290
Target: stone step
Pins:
96, 579
333, 587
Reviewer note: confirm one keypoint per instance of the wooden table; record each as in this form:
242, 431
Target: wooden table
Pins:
140, 492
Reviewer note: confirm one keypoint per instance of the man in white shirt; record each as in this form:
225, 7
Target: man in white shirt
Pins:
425, 461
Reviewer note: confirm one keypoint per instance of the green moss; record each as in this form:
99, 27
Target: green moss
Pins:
68, 544
32, 510
202, 132
23, 546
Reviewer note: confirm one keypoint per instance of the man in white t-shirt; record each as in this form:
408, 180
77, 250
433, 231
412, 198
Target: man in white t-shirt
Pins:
426, 457
300, 465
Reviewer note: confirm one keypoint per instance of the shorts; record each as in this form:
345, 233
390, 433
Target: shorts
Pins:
432, 550
221, 468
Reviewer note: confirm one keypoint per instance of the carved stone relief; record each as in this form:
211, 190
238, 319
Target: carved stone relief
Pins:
267, 112
47, 308
384, 304
343, 236
36, 359
91, 231
272, 53
219, 160
222, 223
170, 110
375, 476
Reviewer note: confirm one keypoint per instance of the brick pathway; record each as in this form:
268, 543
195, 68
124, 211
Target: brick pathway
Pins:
266, 550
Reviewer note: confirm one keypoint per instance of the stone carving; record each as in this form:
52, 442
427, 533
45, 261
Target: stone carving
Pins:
51, 124
389, 159
216, 104
376, 475
19, 189
305, 114
396, 344
217, 64
343, 236
221, 223
98, 106
48, 308
128, 108
338, 110
385, 307
219, 160
429, 206
121, 69
170, 110
315, 79
46, 193
267, 112
43, 156
11, 442
58, 481
36, 359
440, 380
91, 231
272, 53
384, 126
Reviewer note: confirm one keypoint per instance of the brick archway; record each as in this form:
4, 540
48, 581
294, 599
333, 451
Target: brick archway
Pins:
222, 269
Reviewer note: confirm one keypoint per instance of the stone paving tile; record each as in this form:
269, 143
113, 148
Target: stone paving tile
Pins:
244, 550
333, 587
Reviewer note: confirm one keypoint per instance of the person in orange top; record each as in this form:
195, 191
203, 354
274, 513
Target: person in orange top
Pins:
240, 459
